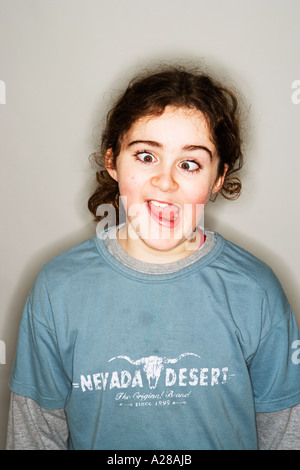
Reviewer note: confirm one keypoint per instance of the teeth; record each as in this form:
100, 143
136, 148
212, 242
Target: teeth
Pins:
159, 204
163, 205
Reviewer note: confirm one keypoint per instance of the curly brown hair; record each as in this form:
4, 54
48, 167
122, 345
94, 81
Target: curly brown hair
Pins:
148, 95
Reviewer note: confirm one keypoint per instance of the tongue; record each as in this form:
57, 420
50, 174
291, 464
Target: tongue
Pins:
168, 213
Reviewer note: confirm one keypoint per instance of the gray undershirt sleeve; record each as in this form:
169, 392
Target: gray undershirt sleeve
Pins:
31, 427
279, 430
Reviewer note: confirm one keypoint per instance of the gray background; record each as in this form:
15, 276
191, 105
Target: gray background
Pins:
61, 60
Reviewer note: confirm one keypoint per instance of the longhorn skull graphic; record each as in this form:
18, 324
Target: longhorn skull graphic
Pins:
153, 365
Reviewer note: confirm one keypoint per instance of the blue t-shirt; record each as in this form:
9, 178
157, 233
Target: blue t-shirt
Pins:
158, 361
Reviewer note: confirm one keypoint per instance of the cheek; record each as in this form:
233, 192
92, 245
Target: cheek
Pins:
129, 191
199, 195
131, 184
195, 203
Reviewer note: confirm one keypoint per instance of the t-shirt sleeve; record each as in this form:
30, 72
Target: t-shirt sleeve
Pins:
38, 371
275, 367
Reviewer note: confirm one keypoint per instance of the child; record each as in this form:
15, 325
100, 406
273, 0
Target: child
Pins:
157, 334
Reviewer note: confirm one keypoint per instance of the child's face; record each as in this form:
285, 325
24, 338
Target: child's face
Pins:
166, 171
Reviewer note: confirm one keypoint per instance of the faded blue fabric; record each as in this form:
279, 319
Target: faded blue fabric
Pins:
158, 361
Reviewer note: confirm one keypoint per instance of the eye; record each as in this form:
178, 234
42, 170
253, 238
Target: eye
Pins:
145, 157
189, 165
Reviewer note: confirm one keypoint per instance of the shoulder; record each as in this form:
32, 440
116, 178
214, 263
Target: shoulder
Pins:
245, 264
249, 269
70, 264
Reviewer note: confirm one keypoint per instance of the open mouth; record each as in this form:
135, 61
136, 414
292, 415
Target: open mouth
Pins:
164, 213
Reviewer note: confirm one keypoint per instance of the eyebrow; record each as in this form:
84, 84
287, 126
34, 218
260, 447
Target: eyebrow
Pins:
189, 148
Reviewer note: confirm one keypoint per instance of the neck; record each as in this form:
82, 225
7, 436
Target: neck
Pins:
143, 251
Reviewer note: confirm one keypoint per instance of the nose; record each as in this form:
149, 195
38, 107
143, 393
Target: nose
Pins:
164, 181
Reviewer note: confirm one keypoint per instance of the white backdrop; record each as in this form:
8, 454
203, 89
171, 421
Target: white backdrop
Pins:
59, 62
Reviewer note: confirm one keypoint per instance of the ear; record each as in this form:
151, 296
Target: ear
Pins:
219, 181
110, 166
